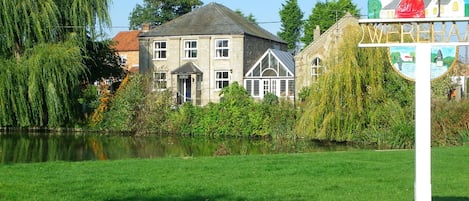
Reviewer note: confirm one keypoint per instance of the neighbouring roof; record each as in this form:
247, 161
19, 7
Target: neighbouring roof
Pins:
187, 68
211, 19
126, 40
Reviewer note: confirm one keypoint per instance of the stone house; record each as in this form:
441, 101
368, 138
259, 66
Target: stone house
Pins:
127, 48
309, 61
199, 53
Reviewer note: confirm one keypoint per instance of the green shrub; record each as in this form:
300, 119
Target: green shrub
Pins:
125, 107
450, 121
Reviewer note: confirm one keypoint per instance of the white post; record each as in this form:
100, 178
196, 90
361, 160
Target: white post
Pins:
423, 188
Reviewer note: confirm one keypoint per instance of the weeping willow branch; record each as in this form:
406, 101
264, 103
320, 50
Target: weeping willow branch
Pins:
40, 89
339, 104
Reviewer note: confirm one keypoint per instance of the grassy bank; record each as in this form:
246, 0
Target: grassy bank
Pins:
357, 175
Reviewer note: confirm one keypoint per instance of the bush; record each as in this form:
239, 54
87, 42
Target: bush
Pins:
450, 122
124, 107
237, 114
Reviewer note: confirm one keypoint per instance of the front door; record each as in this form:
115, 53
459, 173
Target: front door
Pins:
184, 89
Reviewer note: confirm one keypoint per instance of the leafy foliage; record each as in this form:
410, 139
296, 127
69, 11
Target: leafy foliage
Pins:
358, 98
157, 12
48, 41
291, 17
25, 23
124, 107
41, 88
101, 60
236, 115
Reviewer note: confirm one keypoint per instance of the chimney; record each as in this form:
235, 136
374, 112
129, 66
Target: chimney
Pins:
146, 27
317, 33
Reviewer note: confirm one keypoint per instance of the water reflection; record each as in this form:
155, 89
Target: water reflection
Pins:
34, 147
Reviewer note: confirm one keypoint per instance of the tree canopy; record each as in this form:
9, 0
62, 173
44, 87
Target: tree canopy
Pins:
25, 23
326, 14
157, 12
42, 52
359, 97
291, 17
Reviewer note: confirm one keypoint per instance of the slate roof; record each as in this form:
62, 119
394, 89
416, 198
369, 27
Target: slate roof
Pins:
126, 41
211, 19
286, 58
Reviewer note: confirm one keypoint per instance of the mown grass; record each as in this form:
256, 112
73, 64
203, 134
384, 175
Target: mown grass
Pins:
354, 175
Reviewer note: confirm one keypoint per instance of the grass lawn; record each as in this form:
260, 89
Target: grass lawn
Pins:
354, 175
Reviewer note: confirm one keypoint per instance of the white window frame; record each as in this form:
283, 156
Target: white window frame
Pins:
316, 66
220, 78
220, 48
189, 49
158, 80
158, 50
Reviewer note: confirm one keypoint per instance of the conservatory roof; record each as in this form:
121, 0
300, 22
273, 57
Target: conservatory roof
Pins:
285, 60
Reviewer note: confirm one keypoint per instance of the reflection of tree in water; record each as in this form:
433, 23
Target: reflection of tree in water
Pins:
98, 149
25, 148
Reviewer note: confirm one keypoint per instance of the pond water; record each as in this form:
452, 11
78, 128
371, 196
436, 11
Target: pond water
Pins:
41, 147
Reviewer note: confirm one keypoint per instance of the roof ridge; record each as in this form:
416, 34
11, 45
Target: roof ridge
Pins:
211, 19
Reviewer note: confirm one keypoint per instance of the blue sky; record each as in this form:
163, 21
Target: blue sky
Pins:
265, 11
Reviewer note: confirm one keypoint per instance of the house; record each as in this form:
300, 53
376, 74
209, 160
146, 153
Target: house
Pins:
127, 47
199, 53
309, 61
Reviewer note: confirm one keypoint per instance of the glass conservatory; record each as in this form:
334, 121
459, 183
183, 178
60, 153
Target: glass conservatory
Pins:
273, 73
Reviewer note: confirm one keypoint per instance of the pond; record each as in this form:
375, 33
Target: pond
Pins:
42, 147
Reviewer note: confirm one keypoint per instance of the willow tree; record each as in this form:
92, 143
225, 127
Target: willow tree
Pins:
42, 58
355, 94
25, 23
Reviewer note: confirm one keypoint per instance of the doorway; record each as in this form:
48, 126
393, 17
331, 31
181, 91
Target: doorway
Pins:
184, 89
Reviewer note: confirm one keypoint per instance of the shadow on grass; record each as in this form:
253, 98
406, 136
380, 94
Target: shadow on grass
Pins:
180, 198
449, 198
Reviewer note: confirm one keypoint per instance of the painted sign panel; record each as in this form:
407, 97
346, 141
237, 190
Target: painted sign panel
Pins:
386, 9
403, 60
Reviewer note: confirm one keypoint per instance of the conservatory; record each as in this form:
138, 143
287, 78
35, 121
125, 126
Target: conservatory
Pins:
273, 73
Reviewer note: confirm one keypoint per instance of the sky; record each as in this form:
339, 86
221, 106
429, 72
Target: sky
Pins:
266, 12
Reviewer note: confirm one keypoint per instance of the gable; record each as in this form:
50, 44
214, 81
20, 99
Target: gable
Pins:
274, 63
322, 41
